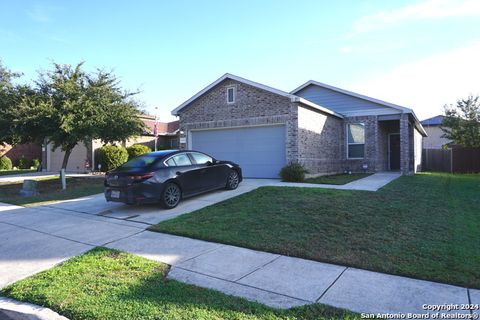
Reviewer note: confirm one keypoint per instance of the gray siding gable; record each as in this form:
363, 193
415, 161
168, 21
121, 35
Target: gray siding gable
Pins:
342, 103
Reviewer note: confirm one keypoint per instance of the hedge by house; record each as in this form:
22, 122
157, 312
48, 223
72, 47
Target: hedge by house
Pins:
293, 172
23, 163
137, 150
36, 163
111, 157
5, 163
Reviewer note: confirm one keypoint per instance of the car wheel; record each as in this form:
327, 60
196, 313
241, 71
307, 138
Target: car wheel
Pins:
233, 180
171, 196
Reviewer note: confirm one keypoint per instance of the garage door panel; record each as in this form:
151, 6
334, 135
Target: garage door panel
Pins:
260, 151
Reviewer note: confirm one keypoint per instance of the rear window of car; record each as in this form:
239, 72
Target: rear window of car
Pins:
140, 162
171, 163
181, 160
200, 158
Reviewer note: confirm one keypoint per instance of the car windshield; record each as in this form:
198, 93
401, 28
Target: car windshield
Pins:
140, 162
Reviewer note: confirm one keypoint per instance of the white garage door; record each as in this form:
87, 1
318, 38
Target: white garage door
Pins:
260, 151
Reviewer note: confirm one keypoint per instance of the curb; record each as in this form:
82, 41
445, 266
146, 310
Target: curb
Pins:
15, 310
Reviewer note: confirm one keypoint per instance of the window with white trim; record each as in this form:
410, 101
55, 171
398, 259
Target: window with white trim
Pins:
231, 95
355, 141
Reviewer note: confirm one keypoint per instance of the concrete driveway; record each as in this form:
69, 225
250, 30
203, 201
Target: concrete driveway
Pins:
35, 239
153, 213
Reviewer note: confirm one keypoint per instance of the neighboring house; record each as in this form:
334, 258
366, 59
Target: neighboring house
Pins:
327, 129
28, 151
434, 140
167, 136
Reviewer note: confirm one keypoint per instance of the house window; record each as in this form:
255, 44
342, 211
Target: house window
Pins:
231, 95
355, 140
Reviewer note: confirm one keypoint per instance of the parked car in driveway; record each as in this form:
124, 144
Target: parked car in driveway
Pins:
169, 176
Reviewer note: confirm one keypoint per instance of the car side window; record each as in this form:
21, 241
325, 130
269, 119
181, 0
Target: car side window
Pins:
200, 158
170, 162
182, 160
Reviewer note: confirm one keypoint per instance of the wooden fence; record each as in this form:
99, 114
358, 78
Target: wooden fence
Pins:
455, 160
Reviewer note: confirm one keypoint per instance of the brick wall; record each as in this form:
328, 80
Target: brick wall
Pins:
406, 146
371, 142
319, 141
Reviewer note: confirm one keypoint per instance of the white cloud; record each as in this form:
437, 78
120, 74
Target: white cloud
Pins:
429, 9
42, 13
428, 84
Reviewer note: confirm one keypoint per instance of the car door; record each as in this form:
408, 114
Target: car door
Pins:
185, 171
212, 173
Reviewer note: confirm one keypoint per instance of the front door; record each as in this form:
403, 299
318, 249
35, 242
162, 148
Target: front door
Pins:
394, 151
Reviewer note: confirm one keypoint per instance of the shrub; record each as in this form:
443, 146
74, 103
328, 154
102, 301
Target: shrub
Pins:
137, 150
162, 147
293, 172
111, 157
36, 164
23, 163
5, 163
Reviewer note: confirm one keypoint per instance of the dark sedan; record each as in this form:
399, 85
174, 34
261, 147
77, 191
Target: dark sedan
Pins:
169, 176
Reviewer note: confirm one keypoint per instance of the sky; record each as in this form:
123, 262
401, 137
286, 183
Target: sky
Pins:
418, 54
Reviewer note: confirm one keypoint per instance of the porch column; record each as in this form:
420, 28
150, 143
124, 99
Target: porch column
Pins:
405, 145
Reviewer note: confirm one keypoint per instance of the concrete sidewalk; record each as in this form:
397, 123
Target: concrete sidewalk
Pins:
284, 282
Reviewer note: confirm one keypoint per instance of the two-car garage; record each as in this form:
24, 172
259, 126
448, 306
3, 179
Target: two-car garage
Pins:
259, 150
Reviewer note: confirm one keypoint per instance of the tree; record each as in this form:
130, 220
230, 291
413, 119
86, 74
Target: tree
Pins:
462, 122
10, 97
75, 106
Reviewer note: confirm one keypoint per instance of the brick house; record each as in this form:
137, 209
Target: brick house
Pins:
327, 129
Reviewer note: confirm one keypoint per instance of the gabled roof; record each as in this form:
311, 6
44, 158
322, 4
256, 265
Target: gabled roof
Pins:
233, 77
292, 97
434, 121
418, 125
350, 93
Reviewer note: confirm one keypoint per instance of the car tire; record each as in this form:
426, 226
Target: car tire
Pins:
233, 180
171, 196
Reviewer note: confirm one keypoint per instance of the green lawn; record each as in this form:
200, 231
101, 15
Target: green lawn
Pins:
15, 172
109, 284
337, 178
50, 190
425, 226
